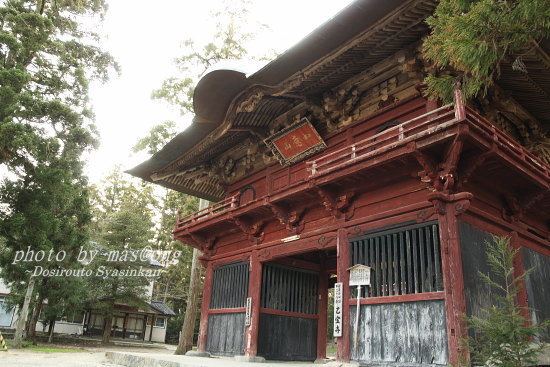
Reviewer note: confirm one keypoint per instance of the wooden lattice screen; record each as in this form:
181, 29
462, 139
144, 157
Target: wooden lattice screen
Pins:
230, 286
406, 260
288, 289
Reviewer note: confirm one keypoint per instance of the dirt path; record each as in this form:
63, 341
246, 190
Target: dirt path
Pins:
87, 355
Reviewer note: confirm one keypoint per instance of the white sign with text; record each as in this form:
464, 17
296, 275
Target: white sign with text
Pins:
248, 310
338, 315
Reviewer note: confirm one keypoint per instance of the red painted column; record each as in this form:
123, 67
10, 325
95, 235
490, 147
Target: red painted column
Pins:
343, 259
518, 271
203, 330
254, 291
451, 266
323, 306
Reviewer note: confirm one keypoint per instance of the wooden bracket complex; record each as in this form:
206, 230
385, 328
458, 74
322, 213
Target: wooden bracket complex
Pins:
337, 204
254, 231
461, 202
442, 176
205, 244
515, 206
290, 218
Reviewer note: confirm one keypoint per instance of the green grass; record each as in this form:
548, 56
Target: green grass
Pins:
331, 350
47, 349
27, 345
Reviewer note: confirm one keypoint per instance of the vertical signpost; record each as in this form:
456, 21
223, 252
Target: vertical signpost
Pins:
248, 311
338, 292
358, 275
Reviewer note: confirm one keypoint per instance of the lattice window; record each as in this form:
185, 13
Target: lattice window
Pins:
229, 286
406, 260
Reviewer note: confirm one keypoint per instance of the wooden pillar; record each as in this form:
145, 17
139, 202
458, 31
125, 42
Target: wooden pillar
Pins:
124, 326
448, 208
152, 325
343, 259
206, 293
460, 110
86, 323
323, 306
521, 297
91, 322
144, 330
254, 291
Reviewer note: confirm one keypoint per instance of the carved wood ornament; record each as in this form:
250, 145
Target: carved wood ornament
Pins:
204, 244
338, 205
515, 206
253, 231
442, 176
446, 177
290, 218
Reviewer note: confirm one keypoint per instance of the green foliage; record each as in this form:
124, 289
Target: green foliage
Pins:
46, 60
470, 39
228, 43
171, 287
47, 210
157, 138
502, 337
122, 223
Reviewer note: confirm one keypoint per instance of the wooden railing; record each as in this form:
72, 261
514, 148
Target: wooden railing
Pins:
208, 212
385, 140
481, 125
397, 136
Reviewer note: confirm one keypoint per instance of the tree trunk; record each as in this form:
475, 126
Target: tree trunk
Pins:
50, 331
166, 290
107, 329
23, 313
31, 329
186, 340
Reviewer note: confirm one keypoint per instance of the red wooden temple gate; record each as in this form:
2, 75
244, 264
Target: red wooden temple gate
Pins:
346, 163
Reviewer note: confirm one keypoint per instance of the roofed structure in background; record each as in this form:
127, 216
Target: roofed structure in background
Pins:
162, 308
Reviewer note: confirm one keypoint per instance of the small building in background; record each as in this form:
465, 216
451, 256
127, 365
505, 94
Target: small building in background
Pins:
7, 314
147, 323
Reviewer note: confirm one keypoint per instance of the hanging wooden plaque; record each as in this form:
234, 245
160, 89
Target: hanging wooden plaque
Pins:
295, 142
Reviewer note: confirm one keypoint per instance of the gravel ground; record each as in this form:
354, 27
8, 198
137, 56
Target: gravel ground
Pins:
88, 355
28, 358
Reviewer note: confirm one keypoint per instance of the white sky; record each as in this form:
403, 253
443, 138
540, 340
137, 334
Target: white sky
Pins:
145, 37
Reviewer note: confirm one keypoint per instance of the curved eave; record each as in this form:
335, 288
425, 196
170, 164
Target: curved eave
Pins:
217, 89
187, 138
360, 36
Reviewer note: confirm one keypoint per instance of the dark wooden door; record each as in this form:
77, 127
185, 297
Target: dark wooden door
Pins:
289, 313
228, 296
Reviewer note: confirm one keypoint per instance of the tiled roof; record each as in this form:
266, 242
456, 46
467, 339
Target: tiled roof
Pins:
162, 308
